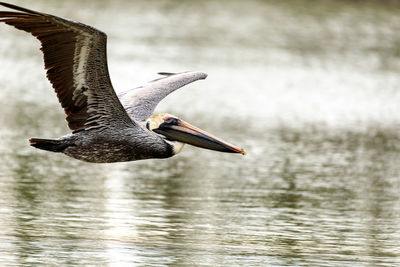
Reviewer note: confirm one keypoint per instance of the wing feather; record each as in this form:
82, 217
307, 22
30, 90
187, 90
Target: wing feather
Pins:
76, 63
141, 102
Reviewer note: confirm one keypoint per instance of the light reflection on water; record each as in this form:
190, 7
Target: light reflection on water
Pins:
310, 92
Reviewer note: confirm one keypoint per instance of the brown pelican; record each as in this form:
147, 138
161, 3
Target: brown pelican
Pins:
106, 127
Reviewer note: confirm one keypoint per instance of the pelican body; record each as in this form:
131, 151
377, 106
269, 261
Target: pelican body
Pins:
106, 127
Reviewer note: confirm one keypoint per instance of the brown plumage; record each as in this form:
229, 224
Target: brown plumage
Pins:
76, 63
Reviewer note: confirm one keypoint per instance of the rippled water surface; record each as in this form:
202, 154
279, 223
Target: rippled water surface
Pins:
310, 88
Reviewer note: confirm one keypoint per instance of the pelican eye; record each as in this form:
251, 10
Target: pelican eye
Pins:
169, 120
148, 125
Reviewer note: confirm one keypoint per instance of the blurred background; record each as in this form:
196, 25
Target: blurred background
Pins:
310, 89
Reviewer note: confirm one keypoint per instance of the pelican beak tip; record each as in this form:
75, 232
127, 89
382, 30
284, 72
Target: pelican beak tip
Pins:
243, 152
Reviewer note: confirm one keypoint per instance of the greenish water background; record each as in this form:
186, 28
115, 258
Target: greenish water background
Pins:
309, 88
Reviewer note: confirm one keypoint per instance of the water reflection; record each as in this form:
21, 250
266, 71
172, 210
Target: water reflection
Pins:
314, 104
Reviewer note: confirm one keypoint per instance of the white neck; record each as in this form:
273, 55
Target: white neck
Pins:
177, 146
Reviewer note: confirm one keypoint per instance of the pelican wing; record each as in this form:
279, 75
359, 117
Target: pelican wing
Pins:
141, 102
76, 63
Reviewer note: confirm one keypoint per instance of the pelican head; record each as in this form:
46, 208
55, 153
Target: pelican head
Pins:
181, 132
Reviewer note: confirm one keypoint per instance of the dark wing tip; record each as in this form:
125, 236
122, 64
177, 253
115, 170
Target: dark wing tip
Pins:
18, 8
166, 73
201, 75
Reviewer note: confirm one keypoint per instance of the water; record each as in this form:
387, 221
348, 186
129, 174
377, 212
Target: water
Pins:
309, 88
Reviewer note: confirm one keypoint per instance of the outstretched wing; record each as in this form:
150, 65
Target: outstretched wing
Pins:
76, 63
141, 102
